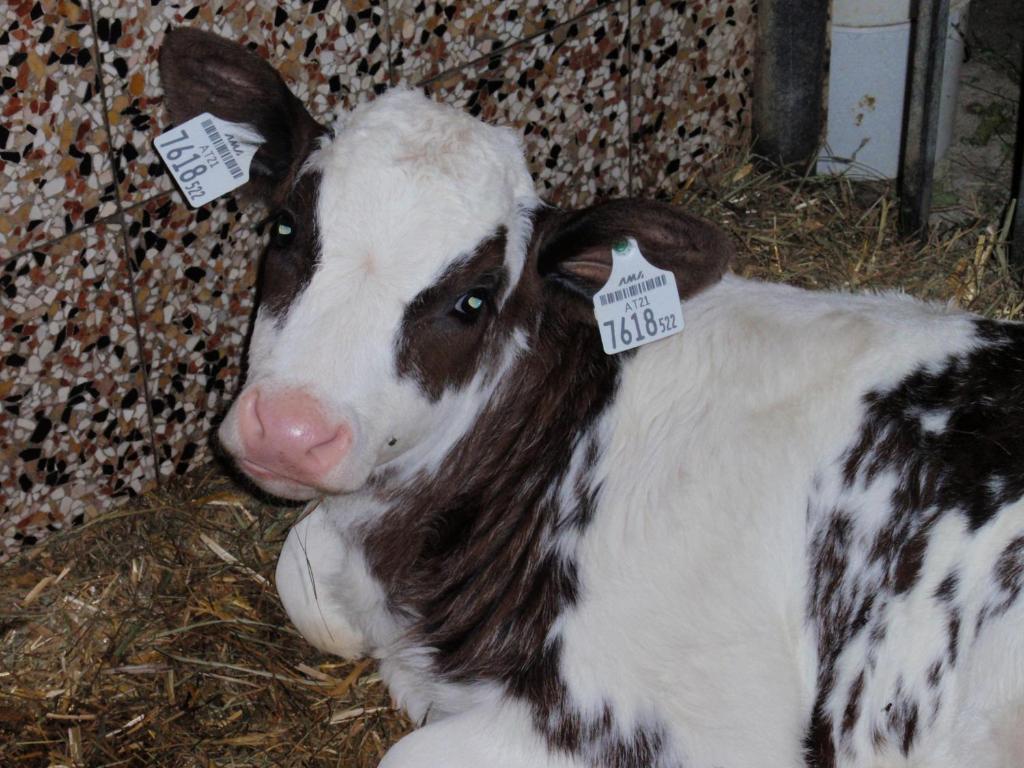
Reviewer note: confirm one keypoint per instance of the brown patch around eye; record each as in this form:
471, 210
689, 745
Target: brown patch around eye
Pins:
436, 347
291, 259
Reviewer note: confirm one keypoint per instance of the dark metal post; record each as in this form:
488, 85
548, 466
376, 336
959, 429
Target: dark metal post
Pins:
788, 77
1017, 193
921, 115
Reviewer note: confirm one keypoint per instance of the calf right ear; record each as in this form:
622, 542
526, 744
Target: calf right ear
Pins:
202, 72
574, 248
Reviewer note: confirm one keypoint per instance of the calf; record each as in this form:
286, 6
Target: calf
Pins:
791, 535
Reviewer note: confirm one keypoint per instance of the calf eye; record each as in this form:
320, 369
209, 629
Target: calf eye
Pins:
471, 305
282, 231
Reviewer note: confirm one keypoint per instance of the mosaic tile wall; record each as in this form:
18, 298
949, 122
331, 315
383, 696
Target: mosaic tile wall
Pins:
125, 313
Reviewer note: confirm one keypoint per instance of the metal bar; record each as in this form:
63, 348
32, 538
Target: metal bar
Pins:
1017, 190
921, 116
788, 77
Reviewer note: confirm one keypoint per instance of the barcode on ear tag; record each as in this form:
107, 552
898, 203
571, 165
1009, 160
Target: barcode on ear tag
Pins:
639, 303
208, 157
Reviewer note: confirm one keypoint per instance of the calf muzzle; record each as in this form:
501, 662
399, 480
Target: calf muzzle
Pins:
288, 435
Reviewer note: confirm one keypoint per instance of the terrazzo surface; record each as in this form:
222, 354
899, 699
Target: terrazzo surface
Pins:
432, 37
568, 92
194, 277
691, 101
74, 431
125, 313
56, 174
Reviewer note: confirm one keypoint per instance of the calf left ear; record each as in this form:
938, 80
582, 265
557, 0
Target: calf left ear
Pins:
574, 248
202, 72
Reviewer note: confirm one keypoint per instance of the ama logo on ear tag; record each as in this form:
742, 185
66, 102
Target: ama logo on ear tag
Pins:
208, 157
639, 303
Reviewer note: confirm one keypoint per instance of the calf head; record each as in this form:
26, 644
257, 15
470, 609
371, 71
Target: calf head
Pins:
411, 270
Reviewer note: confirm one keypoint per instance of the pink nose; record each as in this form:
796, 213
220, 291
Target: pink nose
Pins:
288, 434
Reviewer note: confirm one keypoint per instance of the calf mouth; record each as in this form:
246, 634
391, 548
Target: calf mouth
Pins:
278, 485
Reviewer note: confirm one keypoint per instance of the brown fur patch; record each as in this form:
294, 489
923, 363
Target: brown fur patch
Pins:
465, 548
437, 348
288, 266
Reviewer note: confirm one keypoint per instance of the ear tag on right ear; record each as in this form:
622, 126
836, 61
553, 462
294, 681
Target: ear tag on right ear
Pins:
208, 157
639, 303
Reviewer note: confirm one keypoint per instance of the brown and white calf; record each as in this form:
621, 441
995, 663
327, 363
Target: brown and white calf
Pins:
791, 535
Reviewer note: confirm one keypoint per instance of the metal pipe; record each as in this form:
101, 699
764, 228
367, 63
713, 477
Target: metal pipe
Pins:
1017, 190
921, 116
788, 75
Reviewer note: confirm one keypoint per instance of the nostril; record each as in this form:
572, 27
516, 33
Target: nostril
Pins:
329, 451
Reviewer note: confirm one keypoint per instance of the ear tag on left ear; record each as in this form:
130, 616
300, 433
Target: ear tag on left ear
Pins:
639, 303
208, 157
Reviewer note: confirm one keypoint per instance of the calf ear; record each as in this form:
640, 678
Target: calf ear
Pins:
202, 72
574, 248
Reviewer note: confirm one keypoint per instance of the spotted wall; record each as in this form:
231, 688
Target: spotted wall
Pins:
125, 313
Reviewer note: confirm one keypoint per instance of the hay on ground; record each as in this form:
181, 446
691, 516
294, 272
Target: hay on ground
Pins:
153, 636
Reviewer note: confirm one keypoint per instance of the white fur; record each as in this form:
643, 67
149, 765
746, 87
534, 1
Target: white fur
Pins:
325, 585
499, 735
712, 511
